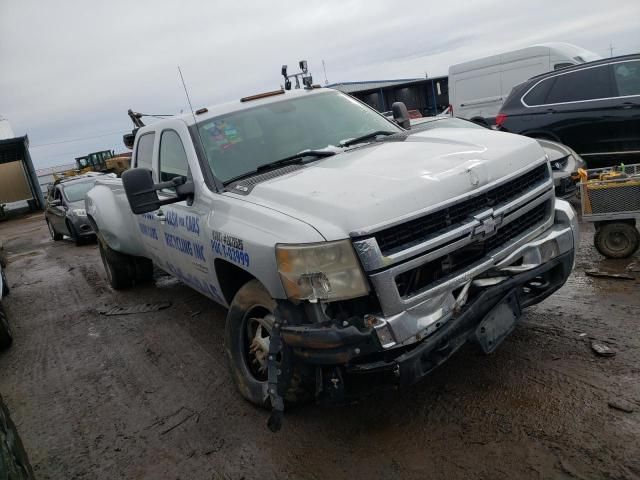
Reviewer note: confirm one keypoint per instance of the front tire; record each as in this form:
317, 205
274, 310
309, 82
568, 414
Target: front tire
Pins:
75, 236
52, 231
617, 240
247, 337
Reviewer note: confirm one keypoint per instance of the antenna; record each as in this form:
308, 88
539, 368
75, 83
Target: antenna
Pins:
324, 67
187, 94
195, 123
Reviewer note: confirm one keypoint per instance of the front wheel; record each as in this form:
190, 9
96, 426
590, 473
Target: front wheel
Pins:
75, 236
247, 339
52, 231
617, 240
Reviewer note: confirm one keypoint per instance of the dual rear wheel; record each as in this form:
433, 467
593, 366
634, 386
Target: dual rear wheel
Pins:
124, 271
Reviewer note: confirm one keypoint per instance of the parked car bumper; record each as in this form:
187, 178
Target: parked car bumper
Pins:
81, 225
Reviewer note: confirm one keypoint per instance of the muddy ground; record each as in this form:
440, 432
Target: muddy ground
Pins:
149, 395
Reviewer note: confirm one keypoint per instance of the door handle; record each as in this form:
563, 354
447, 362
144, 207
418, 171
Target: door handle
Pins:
627, 105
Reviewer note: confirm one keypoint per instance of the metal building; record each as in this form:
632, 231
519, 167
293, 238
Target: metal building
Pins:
428, 95
18, 180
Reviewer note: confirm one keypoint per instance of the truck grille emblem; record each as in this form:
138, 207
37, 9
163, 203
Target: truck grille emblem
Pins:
488, 224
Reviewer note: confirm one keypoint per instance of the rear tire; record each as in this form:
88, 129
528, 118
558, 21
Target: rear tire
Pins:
247, 334
144, 269
14, 462
120, 270
617, 239
6, 335
52, 231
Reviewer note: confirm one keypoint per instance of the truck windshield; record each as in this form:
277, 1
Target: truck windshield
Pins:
76, 191
240, 142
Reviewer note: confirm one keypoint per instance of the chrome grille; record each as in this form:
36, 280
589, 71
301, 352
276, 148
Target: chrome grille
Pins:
411, 281
402, 236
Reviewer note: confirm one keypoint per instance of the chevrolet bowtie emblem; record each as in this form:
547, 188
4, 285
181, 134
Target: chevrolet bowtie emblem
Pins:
488, 224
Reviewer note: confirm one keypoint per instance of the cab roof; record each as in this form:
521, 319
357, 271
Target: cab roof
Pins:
239, 105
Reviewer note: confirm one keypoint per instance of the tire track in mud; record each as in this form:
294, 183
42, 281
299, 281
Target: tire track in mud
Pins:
96, 397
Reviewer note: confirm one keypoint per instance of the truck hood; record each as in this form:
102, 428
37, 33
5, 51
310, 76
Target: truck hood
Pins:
371, 186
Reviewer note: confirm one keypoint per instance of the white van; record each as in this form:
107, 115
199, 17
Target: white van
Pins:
478, 88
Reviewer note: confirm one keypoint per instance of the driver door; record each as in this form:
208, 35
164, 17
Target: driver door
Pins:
150, 225
184, 228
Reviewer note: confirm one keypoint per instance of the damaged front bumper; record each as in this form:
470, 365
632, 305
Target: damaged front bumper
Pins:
412, 342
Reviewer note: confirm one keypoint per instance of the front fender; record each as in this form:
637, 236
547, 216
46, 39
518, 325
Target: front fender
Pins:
112, 219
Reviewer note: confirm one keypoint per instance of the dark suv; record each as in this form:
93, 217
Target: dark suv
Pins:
593, 108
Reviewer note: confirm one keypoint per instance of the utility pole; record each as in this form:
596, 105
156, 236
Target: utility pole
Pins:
611, 49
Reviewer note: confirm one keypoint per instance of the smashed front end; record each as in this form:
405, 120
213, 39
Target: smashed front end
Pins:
462, 272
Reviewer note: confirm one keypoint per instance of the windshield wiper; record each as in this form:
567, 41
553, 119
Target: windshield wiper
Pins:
290, 160
297, 158
366, 137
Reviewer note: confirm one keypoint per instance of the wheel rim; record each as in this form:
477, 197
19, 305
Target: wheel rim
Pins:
617, 241
257, 338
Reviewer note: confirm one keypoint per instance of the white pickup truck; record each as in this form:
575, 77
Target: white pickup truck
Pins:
344, 246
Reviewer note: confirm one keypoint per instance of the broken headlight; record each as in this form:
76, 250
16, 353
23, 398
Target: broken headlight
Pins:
321, 271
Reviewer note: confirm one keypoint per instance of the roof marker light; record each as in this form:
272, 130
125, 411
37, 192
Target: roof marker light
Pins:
262, 95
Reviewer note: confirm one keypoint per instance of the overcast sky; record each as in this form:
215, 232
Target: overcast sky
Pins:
70, 70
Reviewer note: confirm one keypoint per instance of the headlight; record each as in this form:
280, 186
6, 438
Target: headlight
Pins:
81, 212
560, 163
321, 271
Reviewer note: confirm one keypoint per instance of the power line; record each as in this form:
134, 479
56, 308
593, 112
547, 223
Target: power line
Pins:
77, 139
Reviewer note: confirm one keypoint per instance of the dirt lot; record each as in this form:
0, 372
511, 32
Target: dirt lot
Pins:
149, 396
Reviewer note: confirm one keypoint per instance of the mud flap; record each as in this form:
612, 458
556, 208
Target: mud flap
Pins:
498, 323
273, 373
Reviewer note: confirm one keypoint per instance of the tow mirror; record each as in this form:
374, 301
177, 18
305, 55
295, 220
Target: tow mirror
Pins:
142, 193
401, 115
129, 138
